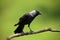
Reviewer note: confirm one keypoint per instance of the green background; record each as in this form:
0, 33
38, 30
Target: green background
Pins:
12, 10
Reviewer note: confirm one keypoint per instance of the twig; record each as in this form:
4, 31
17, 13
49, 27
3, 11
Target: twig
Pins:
28, 33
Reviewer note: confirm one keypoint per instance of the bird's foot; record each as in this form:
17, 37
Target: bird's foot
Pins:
31, 31
22, 32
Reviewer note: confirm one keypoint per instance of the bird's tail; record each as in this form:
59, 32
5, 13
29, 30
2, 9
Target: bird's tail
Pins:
19, 29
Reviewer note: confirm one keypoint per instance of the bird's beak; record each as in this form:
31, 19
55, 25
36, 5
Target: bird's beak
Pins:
39, 13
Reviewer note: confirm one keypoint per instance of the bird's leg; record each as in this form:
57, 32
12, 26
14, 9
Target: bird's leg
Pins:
30, 28
22, 32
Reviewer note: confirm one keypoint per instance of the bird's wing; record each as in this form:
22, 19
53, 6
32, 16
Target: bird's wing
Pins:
23, 18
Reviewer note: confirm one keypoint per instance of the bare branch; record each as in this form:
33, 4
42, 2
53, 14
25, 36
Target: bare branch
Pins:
28, 33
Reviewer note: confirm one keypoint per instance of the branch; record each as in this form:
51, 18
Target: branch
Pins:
28, 33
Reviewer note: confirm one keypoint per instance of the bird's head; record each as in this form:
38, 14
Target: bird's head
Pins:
37, 12
34, 13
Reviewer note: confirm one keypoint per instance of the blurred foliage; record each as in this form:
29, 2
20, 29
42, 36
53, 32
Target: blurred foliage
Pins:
12, 10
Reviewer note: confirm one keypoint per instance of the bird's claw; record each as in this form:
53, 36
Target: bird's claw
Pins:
31, 31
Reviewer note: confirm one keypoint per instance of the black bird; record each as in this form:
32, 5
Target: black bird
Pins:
26, 19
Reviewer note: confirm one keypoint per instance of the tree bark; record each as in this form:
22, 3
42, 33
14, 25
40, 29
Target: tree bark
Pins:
29, 33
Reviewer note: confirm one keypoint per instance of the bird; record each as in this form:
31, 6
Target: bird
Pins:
26, 19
